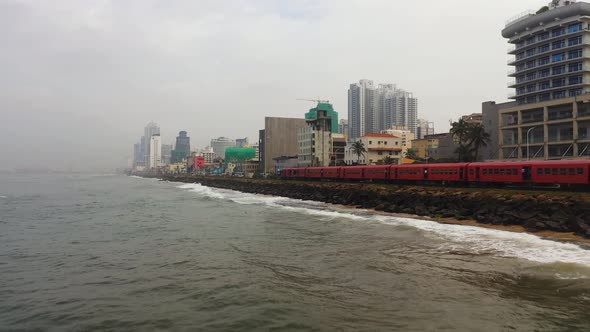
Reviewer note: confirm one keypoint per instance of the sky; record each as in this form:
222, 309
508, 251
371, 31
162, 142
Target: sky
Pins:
79, 80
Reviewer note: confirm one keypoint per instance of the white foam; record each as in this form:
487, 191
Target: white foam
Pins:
474, 239
3, 196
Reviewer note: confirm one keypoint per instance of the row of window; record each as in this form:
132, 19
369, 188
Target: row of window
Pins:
560, 171
410, 171
557, 70
549, 96
574, 54
445, 171
500, 171
548, 47
572, 28
555, 83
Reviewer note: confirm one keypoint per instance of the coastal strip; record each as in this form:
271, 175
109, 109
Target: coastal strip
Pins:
531, 211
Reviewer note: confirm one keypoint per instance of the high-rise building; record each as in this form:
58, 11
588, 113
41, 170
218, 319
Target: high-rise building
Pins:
424, 128
155, 158
182, 148
242, 142
326, 112
551, 78
150, 130
315, 140
219, 144
166, 154
373, 109
343, 127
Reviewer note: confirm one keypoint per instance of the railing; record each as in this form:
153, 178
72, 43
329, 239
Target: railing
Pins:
520, 17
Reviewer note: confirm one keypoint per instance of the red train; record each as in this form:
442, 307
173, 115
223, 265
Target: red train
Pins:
566, 173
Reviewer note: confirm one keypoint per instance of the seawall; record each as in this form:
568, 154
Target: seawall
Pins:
533, 210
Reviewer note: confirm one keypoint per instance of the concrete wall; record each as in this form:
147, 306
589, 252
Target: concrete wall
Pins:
280, 139
491, 123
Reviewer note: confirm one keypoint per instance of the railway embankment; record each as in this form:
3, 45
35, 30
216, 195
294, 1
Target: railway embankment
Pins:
534, 211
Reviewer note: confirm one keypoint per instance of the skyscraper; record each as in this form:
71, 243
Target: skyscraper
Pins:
182, 148
219, 144
155, 157
423, 128
373, 109
150, 130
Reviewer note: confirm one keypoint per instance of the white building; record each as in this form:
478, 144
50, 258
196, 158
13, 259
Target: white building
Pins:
404, 134
220, 144
373, 109
378, 146
155, 151
208, 155
150, 129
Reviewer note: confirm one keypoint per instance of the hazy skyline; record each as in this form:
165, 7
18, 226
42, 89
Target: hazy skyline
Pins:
81, 79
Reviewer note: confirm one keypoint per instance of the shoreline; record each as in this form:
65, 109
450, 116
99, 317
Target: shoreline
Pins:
552, 215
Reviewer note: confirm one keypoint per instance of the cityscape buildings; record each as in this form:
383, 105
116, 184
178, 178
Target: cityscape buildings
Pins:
242, 142
343, 127
279, 139
182, 148
372, 109
404, 134
315, 140
166, 154
379, 147
551, 78
424, 128
219, 144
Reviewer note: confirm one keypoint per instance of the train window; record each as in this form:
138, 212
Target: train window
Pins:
485, 171
580, 171
571, 171
496, 171
509, 171
539, 171
471, 172
563, 171
501, 171
554, 171
547, 171
515, 171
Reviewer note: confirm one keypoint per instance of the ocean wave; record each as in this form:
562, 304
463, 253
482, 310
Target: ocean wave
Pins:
3, 196
476, 239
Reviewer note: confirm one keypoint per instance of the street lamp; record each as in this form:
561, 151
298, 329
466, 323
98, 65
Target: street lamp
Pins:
528, 157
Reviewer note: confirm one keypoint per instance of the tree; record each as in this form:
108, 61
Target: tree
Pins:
478, 138
358, 148
463, 153
411, 153
388, 160
460, 130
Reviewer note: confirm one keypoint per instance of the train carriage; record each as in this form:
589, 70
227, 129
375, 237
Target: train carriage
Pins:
314, 172
446, 172
331, 172
499, 172
564, 172
410, 172
377, 172
353, 172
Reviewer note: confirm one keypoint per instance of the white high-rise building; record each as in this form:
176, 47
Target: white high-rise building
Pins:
220, 144
150, 130
155, 151
373, 109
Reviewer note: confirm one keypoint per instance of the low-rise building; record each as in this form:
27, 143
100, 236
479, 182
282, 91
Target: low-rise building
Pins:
378, 147
437, 146
404, 134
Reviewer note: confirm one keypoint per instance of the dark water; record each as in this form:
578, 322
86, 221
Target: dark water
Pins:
81, 253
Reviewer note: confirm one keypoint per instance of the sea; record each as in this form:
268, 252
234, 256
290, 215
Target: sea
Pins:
108, 252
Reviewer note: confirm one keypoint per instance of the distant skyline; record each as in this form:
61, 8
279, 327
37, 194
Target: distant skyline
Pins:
80, 79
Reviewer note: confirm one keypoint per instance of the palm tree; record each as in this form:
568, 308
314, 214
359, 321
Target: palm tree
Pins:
388, 160
464, 153
358, 148
411, 153
460, 130
478, 138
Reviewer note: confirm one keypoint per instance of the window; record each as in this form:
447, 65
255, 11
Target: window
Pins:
530, 40
557, 32
558, 70
531, 64
575, 66
485, 171
574, 41
496, 171
559, 94
544, 48
558, 82
575, 80
531, 76
530, 52
544, 97
542, 36
574, 27
545, 72
471, 172
544, 85
558, 44
563, 171
554, 171
547, 171
514, 171
574, 54
509, 171
571, 171
558, 57
539, 171
580, 171
370, 142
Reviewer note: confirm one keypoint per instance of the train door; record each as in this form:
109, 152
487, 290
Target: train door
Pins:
426, 173
526, 173
477, 173
461, 170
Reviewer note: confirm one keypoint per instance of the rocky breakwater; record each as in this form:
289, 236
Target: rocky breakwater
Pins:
535, 211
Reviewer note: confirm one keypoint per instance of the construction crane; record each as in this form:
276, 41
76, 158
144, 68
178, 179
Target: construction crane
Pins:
315, 100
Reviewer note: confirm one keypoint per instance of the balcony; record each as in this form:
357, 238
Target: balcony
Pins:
531, 116
560, 112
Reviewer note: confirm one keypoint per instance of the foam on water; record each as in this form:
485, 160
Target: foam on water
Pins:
475, 239
3, 196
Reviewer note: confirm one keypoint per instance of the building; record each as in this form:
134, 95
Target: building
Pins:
551, 78
208, 155
338, 149
155, 148
219, 144
166, 154
402, 132
490, 121
424, 128
372, 109
473, 118
436, 147
279, 138
283, 162
242, 142
343, 127
315, 140
182, 148
150, 130
379, 147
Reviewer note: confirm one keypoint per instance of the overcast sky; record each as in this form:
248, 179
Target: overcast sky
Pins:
79, 79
